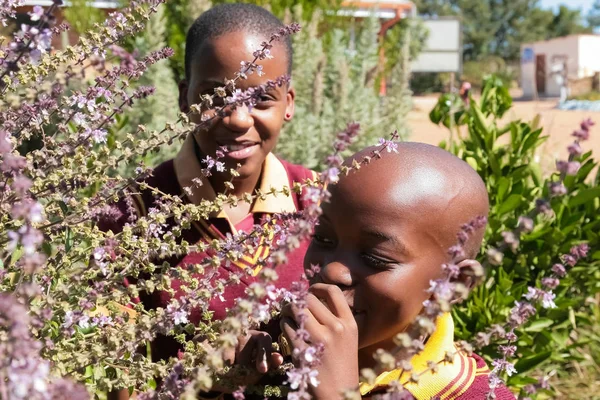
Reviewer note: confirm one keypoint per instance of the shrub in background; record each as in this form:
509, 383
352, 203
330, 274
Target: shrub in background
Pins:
533, 218
334, 78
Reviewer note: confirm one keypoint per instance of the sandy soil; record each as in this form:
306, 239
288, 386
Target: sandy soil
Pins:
557, 124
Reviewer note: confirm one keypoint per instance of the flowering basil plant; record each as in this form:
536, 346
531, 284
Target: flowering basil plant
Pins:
64, 330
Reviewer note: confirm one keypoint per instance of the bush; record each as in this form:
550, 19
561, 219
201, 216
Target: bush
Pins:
475, 71
335, 84
532, 220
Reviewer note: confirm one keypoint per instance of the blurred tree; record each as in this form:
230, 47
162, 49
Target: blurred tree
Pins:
593, 17
499, 27
81, 15
567, 22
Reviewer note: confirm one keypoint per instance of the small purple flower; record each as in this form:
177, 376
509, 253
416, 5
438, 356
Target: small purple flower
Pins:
525, 224
559, 270
331, 175
586, 124
452, 270
36, 14
389, 145
456, 251
21, 184
543, 207
508, 351
511, 241
503, 365
557, 189
575, 149
550, 283
239, 394
5, 143
548, 299
99, 135
512, 336
530, 389
580, 251
532, 293
581, 134
568, 167
569, 260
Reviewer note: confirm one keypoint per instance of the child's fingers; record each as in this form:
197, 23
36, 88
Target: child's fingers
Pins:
263, 354
320, 311
335, 299
276, 360
288, 327
301, 314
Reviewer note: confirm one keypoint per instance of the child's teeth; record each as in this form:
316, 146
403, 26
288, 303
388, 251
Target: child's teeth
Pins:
236, 147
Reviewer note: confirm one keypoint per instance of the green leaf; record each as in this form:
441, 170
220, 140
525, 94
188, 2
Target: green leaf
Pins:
539, 325
502, 188
527, 363
584, 196
512, 202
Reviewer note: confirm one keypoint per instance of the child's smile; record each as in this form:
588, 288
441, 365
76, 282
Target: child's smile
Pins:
246, 135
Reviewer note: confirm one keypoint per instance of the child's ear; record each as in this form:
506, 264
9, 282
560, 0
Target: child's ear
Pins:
290, 107
184, 107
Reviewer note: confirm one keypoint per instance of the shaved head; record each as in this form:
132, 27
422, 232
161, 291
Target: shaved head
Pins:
442, 191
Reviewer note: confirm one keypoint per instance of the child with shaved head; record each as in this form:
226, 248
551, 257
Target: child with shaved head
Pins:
380, 241
382, 238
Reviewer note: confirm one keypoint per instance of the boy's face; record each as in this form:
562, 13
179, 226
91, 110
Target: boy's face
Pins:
382, 238
248, 136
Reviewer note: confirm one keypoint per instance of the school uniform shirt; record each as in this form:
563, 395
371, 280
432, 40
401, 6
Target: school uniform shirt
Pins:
171, 177
466, 378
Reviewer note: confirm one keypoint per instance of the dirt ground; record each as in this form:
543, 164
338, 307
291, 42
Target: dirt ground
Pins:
557, 124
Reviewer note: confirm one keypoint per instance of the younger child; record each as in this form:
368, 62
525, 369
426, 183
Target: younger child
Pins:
380, 241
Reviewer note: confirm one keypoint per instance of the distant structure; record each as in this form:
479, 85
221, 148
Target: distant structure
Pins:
560, 67
69, 37
443, 49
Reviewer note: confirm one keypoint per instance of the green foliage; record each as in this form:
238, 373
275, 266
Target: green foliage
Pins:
280, 7
504, 156
335, 78
82, 16
593, 18
590, 96
476, 71
155, 111
180, 15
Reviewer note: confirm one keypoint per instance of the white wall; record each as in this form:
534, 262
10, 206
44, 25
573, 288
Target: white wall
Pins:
565, 46
589, 55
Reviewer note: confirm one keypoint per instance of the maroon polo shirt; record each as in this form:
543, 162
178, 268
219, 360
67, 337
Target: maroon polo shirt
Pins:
171, 177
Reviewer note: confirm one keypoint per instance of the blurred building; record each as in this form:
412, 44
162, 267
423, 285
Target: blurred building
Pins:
69, 37
559, 67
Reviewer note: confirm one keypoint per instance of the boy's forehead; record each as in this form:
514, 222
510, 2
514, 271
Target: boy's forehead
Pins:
222, 56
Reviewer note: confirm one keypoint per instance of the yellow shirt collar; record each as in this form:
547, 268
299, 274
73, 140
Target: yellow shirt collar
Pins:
274, 175
450, 380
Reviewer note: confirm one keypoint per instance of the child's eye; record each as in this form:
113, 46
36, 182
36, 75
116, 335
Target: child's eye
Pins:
264, 99
376, 262
321, 240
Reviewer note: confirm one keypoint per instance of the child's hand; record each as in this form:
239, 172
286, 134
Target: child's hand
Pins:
334, 326
254, 352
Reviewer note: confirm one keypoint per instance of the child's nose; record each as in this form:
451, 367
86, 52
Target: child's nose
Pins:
239, 120
336, 273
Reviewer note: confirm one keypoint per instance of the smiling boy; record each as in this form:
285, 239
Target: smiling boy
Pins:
216, 45
380, 241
